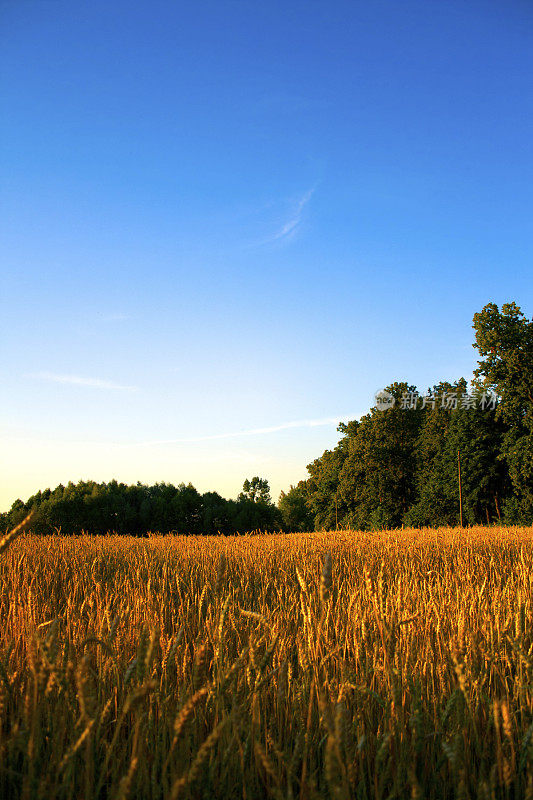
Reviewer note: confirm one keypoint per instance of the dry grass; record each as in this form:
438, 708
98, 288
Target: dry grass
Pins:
250, 667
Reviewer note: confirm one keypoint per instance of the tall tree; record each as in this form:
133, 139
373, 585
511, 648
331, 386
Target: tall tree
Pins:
323, 482
257, 490
377, 479
455, 422
504, 340
294, 507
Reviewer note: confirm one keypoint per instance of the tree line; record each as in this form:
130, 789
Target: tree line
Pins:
99, 508
397, 465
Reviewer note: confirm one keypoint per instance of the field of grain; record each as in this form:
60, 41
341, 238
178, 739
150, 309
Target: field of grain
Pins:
321, 665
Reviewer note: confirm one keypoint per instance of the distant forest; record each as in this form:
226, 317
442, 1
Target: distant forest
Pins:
138, 509
394, 467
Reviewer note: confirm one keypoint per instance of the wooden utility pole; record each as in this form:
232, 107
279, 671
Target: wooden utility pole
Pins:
460, 487
336, 514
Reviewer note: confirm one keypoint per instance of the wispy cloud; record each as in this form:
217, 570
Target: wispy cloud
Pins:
288, 229
303, 423
78, 380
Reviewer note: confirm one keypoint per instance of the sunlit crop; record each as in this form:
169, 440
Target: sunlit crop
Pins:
332, 665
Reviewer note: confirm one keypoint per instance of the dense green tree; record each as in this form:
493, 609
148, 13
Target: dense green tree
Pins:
322, 484
216, 514
400, 465
254, 509
294, 508
504, 340
467, 429
257, 490
101, 508
377, 483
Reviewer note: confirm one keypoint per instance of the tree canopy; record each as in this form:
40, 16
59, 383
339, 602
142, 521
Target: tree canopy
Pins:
399, 465
115, 507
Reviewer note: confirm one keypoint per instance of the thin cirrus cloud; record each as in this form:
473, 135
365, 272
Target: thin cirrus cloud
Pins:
289, 228
78, 380
304, 423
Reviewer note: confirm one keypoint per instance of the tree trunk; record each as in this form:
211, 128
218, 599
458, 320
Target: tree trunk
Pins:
497, 507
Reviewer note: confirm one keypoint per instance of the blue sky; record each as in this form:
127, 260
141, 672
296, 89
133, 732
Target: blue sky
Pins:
239, 220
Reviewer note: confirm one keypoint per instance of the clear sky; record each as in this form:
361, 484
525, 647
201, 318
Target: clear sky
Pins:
239, 219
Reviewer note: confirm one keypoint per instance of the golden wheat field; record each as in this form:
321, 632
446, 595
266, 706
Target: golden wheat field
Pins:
321, 665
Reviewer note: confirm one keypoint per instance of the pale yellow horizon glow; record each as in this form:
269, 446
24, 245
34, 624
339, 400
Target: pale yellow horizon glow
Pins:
215, 463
